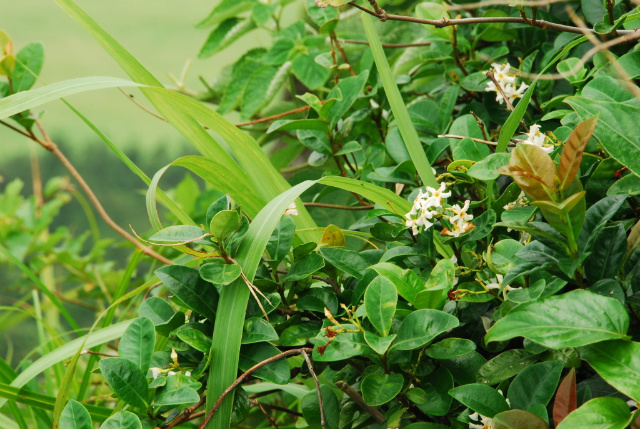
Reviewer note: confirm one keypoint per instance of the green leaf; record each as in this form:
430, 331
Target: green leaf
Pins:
345, 260
595, 219
380, 301
75, 416
311, 74
28, 66
138, 342
407, 130
480, 398
224, 223
281, 239
220, 273
599, 413
379, 344
178, 234
195, 335
505, 366
378, 389
126, 380
407, 282
276, 372
450, 348
257, 330
535, 384
161, 314
437, 287
574, 319
304, 267
346, 92
618, 363
608, 253
485, 169
436, 400
179, 390
122, 420
311, 407
298, 124
421, 327
299, 335
186, 284
614, 119
343, 346
225, 34
518, 419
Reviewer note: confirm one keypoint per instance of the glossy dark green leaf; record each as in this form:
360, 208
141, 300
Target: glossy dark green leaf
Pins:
122, 420
378, 389
380, 301
535, 384
607, 255
348, 90
379, 344
281, 239
28, 66
276, 372
186, 284
138, 342
217, 206
618, 363
437, 287
437, 400
299, 334
485, 169
161, 314
219, 272
304, 267
480, 398
518, 419
126, 380
343, 346
407, 283
75, 416
346, 260
504, 366
195, 335
421, 327
573, 319
464, 368
257, 330
610, 288
450, 348
311, 407
241, 406
599, 413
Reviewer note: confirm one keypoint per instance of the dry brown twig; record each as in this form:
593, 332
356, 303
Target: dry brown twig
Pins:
323, 420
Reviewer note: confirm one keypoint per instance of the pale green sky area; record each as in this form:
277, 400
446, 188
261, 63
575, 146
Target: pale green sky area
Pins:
159, 33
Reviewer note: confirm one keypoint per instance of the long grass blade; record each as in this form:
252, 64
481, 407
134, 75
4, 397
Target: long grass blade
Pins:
400, 112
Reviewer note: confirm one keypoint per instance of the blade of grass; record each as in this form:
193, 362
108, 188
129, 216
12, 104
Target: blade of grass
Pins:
43, 288
400, 112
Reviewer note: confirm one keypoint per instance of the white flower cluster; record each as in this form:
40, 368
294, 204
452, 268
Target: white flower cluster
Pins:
291, 210
496, 283
536, 138
507, 82
428, 207
521, 201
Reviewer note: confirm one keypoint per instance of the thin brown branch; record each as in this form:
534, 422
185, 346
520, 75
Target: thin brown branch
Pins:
53, 148
188, 414
246, 374
273, 117
283, 409
610, 11
334, 58
446, 22
16, 129
355, 396
338, 207
343, 54
514, 3
266, 414
323, 420
480, 125
388, 45
131, 97
456, 54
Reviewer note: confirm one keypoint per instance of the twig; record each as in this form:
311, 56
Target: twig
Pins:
480, 125
610, 11
388, 45
187, 414
246, 374
348, 390
323, 421
266, 414
53, 148
490, 143
456, 55
514, 3
343, 54
334, 58
335, 206
131, 97
446, 22
273, 117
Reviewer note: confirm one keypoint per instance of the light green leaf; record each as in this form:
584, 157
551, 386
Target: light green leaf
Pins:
480, 398
75, 416
573, 319
378, 389
535, 384
518, 419
225, 34
380, 301
618, 363
379, 344
599, 413
450, 348
220, 273
257, 330
122, 420
138, 342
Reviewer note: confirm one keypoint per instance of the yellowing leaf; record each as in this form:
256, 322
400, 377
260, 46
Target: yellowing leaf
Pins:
333, 236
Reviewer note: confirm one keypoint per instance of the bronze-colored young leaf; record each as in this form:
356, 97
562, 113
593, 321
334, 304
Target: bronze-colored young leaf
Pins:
566, 398
533, 170
572, 151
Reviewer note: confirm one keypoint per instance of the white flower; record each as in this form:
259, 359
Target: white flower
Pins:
291, 209
155, 372
187, 373
536, 138
459, 220
172, 373
507, 82
496, 283
519, 202
485, 422
512, 93
426, 206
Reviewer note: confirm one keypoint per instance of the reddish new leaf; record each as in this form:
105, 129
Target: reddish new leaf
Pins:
572, 151
533, 170
566, 398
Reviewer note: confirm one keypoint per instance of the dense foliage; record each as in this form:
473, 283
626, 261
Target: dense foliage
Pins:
436, 231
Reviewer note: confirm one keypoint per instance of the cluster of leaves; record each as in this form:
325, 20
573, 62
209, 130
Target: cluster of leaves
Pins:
417, 329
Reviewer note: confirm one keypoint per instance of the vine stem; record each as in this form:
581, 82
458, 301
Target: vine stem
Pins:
246, 374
